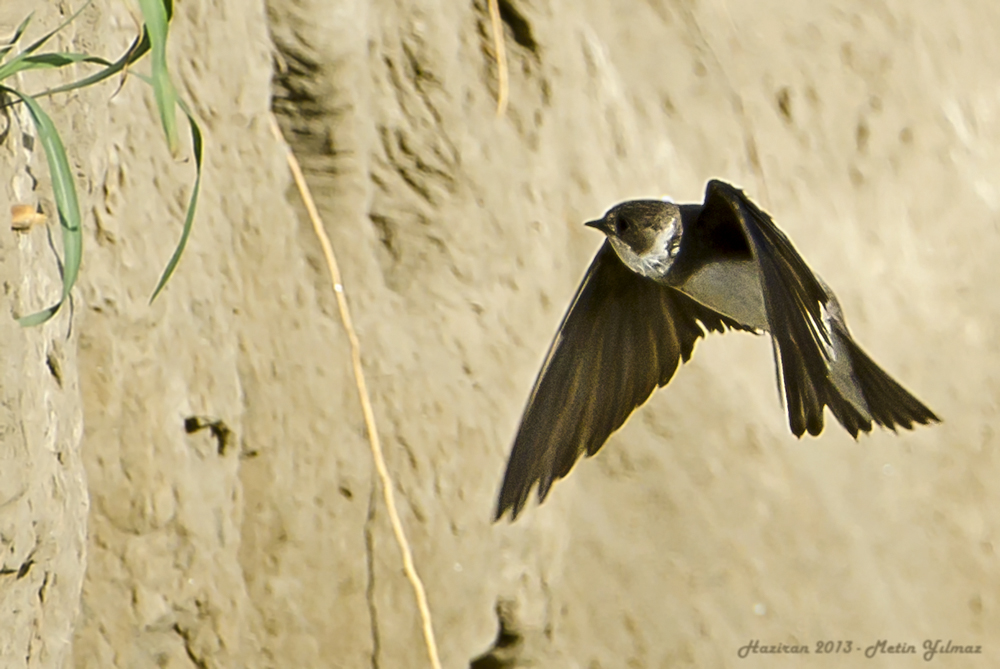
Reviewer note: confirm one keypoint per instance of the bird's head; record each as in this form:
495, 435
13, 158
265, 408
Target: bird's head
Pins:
646, 234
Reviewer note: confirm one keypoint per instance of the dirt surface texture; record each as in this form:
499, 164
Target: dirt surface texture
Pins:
701, 535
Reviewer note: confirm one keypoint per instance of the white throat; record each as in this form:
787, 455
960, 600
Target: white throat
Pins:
656, 262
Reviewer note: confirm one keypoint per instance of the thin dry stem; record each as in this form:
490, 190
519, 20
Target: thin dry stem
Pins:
501, 54
366, 405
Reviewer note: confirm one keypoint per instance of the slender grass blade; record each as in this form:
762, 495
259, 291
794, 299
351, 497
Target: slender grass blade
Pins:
64, 193
154, 13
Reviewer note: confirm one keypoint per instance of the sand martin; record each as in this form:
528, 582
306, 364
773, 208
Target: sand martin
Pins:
666, 275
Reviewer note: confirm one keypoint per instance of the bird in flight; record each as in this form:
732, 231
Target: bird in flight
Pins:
666, 275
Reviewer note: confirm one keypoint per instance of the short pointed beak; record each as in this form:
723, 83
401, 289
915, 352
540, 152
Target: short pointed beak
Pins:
601, 224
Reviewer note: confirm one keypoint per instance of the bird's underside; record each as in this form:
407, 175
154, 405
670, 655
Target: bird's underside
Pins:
625, 334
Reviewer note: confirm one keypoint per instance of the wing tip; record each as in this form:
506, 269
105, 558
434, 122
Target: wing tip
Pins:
513, 497
501, 510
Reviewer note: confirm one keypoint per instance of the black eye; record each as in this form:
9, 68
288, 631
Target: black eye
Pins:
623, 225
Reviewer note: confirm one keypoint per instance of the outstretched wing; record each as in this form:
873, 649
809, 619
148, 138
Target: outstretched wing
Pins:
807, 337
622, 336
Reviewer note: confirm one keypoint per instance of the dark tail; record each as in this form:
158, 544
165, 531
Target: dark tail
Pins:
889, 403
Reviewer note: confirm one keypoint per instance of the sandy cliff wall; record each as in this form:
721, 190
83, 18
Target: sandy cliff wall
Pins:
871, 133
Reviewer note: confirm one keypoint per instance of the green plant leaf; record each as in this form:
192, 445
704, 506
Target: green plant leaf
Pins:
46, 61
64, 193
157, 14
5, 49
137, 50
37, 44
154, 13
196, 143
